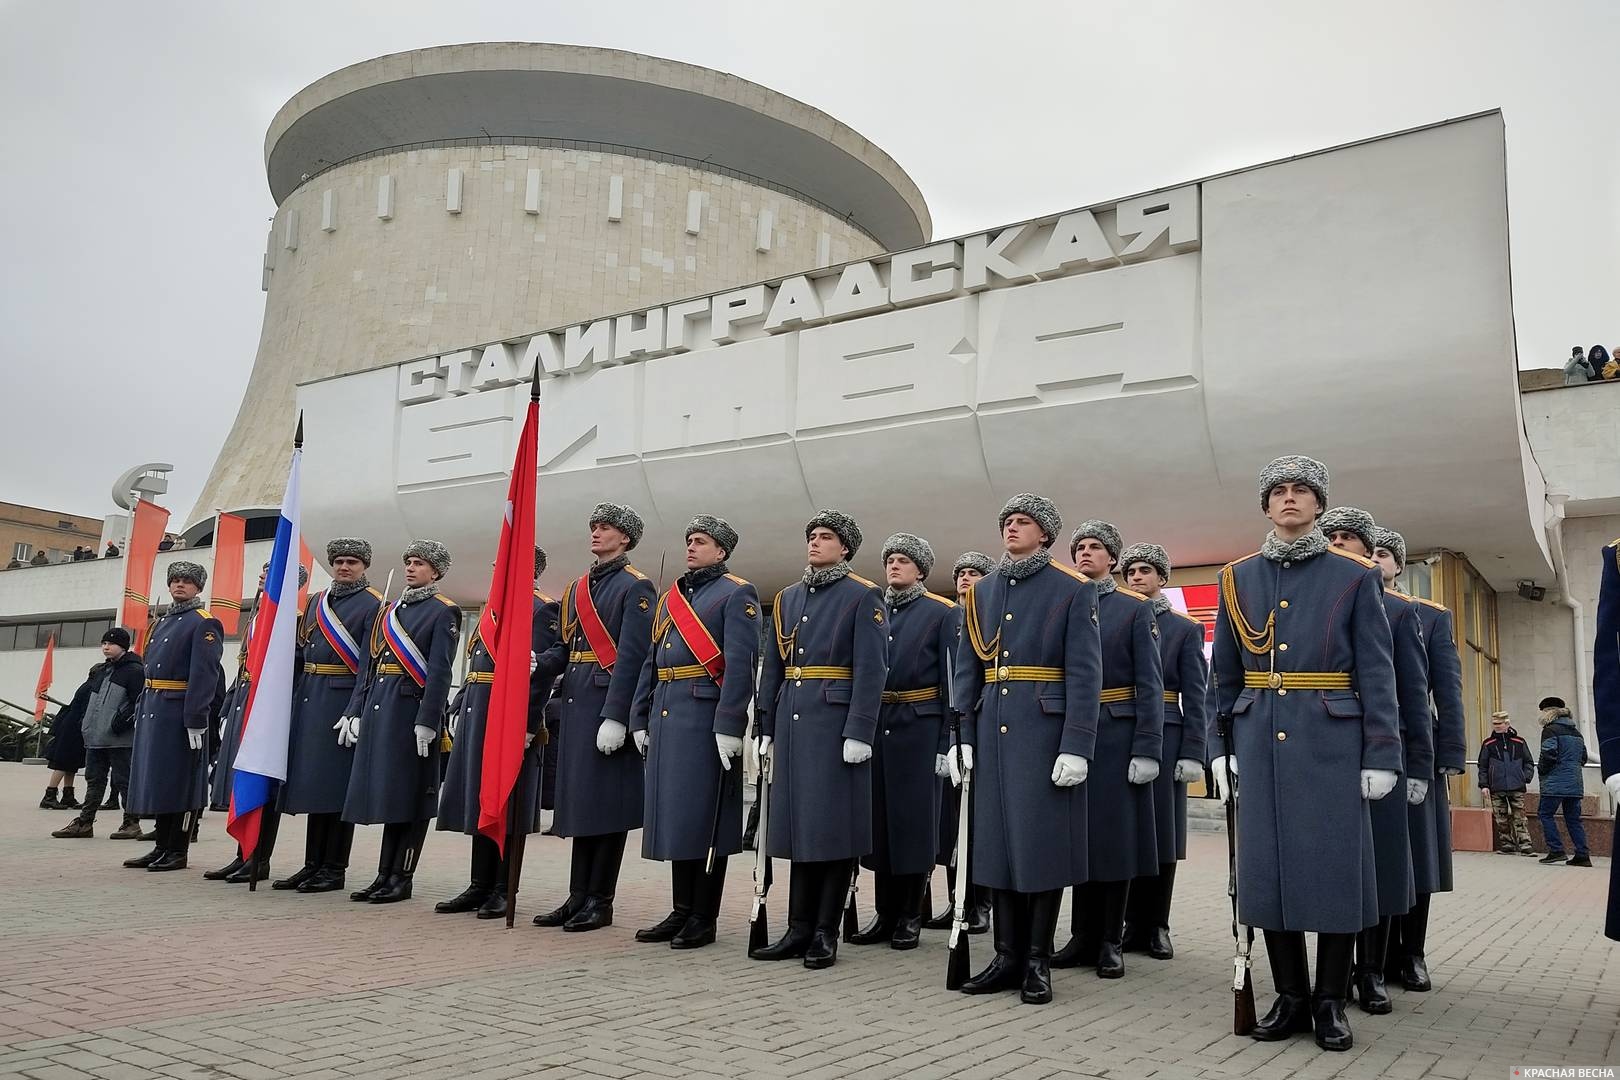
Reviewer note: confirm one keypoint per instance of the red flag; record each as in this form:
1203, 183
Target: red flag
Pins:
225, 603
145, 533
44, 683
511, 613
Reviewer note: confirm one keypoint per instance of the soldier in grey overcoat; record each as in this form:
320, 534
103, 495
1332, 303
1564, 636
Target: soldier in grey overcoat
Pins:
1352, 530
335, 635
1428, 821
820, 694
1186, 688
1124, 841
1606, 709
1028, 680
463, 780
169, 766
908, 758
394, 719
691, 711
1305, 682
599, 777
970, 566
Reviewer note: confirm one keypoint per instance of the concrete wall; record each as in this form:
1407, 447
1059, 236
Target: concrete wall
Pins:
1575, 432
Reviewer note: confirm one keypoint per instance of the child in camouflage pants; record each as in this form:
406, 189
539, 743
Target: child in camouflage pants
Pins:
1505, 768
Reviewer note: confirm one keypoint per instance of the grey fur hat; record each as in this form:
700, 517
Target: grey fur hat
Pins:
912, 547
716, 529
1152, 554
1100, 531
972, 560
1392, 541
351, 546
187, 571
303, 575
1350, 519
621, 517
539, 560
1043, 510
431, 552
841, 523
1295, 468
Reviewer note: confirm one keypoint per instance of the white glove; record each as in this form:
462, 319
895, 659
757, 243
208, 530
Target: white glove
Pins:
762, 748
1376, 783
856, 752
610, 736
195, 737
1070, 770
942, 766
1449, 770
528, 739
1221, 771
455, 723
729, 746
1188, 770
424, 739
962, 767
642, 737
342, 729
534, 661
1612, 782
1142, 770
1416, 791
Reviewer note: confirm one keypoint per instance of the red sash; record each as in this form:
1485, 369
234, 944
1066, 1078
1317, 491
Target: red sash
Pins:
694, 633
590, 623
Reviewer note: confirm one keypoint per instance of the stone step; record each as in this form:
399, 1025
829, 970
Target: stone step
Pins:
1206, 815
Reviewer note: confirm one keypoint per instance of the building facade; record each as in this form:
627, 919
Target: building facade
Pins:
29, 531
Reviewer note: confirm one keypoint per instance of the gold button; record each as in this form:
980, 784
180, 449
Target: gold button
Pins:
1282, 603
1003, 674
1283, 647
1004, 729
1282, 736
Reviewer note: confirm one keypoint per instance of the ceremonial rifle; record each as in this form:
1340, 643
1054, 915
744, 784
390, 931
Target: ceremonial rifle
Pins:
758, 930
1243, 945
956, 970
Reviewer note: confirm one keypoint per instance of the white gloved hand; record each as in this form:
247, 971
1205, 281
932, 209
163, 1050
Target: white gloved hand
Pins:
729, 746
959, 768
642, 738
1612, 782
1142, 770
610, 736
195, 737
856, 752
1188, 770
1221, 771
455, 723
1416, 791
1070, 770
942, 766
342, 729
528, 739
1376, 783
762, 749
424, 739
534, 661
1450, 770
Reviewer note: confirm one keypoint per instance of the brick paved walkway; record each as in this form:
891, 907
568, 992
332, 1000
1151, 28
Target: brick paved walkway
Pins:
114, 973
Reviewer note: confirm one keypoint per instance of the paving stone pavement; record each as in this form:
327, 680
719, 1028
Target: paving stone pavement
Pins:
119, 974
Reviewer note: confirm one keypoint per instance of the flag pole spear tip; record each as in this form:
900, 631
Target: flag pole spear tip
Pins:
298, 436
534, 383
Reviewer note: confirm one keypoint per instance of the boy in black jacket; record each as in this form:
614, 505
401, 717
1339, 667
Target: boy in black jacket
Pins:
1505, 768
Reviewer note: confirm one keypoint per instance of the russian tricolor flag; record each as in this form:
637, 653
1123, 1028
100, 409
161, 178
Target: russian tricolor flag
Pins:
261, 760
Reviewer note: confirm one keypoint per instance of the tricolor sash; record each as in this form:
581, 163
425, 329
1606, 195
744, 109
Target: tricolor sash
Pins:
694, 633
591, 625
404, 649
336, 634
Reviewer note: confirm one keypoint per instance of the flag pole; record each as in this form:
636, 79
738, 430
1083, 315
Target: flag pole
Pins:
518, 836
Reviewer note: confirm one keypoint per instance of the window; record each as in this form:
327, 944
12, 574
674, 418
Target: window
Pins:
72, 636
1452, 580
8, 638
43, 632
60, 524
23, 551
94, 628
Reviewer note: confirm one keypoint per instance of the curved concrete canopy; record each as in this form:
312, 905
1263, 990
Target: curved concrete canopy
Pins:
518, 91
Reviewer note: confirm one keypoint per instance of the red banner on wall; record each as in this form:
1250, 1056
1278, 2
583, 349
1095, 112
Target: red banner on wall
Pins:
145, 533
225, 603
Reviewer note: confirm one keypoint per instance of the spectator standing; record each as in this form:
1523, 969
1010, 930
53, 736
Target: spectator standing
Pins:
1578, 369
109, 732
66, 756
1611, 370
1598, 359
1505, 768
40, 559
1563, 753
111, 552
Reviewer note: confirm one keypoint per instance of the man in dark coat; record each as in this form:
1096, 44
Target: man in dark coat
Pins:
1124, 842
691, 711
908, 758
1606, 708
1562, 759
1428, 821
820, 695
1305, 681
463, 780
969, 568
168, 766
65, 756
107, 722
606, 634
1028, 680
1350, 529
1186, 687
335, 634
394, 719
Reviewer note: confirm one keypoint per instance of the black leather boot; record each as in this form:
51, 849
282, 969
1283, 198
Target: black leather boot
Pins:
1414, 969
978, 912
1140, 912
227, 870
884, 915
1333, 956
834, 894
486, 861
606, 855
409, 850
683, 875
579, 882
387, 853
315, 829
1290, 1013
1159, 946
242, 874
1110, 928
910, 901
706, 894
1081, 949
494, 905
1006, 969
1043, 918
1367, 975
174, 853
160, 837
804, 892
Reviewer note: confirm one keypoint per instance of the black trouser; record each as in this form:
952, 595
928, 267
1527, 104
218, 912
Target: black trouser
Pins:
99, 763
489, 866
816, 894
593, 866
401, 847
1148, 906
327, 839
1098, 912
174, 831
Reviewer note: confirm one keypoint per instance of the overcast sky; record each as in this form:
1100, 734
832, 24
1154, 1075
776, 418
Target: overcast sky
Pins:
134, 204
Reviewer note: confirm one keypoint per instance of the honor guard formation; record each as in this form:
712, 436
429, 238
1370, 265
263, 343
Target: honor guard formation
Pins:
1033, 731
